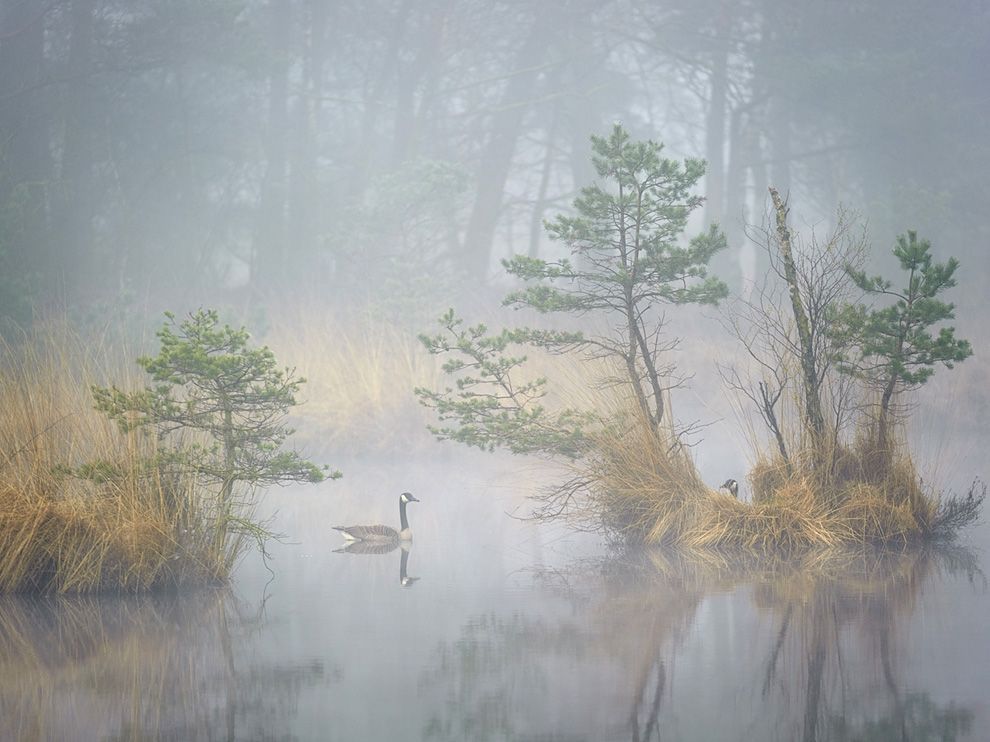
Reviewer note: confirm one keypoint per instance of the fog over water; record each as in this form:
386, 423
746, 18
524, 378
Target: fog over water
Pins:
507, 630
333, 175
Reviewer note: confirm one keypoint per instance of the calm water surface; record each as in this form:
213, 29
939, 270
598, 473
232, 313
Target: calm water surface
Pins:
489, 628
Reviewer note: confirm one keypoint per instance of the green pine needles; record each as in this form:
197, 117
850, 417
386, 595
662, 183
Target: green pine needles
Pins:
218, 405
490, 407
626, 261
892, 348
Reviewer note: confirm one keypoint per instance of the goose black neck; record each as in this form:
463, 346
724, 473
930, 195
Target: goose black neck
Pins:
402, 514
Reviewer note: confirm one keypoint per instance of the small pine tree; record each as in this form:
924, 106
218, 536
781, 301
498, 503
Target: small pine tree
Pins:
626, 260
208, 380
893, 348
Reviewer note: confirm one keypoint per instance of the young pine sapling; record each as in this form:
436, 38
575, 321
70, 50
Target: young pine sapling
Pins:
895, 347
232, 398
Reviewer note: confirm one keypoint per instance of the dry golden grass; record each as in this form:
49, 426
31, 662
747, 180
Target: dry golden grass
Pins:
792, 519
781, 576
360, 374
645, 489
134, 528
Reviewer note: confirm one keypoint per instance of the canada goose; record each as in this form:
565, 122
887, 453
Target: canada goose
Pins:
382, 533
732, 485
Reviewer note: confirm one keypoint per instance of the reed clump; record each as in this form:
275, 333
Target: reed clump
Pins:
641, 484
645, 489
83, 506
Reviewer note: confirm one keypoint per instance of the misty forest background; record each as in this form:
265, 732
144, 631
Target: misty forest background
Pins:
389, 153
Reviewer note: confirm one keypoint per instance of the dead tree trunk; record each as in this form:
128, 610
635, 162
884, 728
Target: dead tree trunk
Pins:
813, 417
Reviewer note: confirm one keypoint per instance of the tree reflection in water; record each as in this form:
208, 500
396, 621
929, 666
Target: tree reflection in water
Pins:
164, 667
828, 668
839, 628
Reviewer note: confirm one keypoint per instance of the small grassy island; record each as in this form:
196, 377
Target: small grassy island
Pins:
104, 489
832, 352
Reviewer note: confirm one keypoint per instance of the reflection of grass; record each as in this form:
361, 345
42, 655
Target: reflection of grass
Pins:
821, 614
827, 668
148, 667
490, 650
823, 602
129, 524
919, 719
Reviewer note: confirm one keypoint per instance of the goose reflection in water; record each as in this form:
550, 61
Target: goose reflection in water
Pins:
384, 547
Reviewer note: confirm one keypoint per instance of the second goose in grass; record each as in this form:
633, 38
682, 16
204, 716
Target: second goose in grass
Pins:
381, 533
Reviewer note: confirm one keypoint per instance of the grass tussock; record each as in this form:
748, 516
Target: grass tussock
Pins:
787, 576
82, 508
645, 489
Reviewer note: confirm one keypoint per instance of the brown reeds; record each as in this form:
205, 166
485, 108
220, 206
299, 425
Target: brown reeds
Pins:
643, 484
360, 374
84, 507
643, 487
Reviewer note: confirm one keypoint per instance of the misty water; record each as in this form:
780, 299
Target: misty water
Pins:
492, 628
335, 175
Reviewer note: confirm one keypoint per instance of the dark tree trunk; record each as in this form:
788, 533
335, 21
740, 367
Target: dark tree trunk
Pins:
585, 82
388, 71
716, 119
302, 227
412, 111
505, 127
886, 398
780, 144
24, 146
270, 234
540, 205
75, 229
779, 31
768, 402
734, 216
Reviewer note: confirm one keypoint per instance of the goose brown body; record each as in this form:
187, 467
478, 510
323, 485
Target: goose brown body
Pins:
368, 533
379, 533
